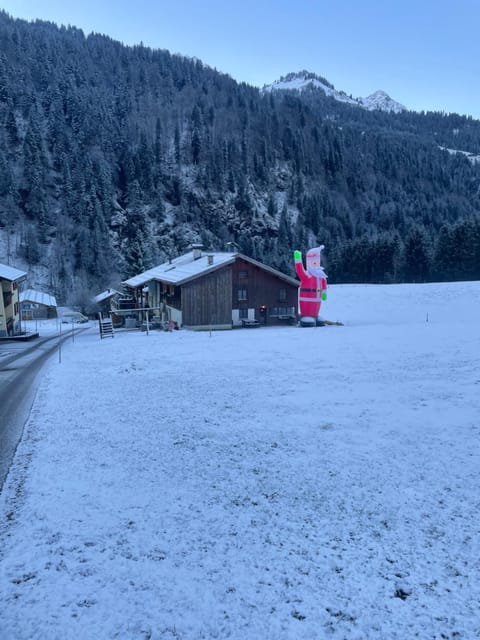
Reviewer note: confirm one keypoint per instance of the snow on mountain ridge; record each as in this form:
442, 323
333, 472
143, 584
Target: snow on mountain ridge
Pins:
305, 80
382, 101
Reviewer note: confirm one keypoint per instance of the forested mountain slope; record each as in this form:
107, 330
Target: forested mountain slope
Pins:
113, 158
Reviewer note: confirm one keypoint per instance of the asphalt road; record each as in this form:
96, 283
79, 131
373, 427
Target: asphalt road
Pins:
20, 363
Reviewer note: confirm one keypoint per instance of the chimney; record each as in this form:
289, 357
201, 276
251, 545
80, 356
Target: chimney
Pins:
210, 259
197, 251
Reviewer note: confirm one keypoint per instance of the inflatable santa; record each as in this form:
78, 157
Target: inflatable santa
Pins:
313, 285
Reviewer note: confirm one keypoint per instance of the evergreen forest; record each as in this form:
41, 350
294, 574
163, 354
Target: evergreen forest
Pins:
115, 158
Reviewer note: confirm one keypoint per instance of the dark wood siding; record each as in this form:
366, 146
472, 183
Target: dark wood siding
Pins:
208, 300
263, 289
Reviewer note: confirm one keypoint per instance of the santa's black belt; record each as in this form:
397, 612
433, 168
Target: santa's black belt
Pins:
311, 290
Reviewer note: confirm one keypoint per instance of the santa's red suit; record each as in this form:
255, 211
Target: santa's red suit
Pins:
313, 283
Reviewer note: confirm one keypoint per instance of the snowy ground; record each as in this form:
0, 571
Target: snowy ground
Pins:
258, 484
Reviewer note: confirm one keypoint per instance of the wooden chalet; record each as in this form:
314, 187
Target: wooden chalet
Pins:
215, 290
107, 301
10, 320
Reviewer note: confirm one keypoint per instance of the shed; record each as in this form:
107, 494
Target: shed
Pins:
37, 305
107, 300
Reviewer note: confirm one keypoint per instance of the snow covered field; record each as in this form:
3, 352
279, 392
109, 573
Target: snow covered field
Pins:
257, 484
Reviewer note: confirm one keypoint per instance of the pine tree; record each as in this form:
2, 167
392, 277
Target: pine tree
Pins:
443, 266
417, 255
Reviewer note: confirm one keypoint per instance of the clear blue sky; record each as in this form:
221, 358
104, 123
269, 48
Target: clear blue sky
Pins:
423, 53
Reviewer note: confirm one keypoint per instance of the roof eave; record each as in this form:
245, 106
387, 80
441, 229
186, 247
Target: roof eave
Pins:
18, 278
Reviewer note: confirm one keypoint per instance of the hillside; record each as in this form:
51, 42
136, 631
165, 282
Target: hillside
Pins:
114, 158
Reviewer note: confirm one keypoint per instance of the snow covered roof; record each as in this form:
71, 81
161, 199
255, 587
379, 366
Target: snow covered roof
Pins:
109, 293
183, 268
10, 273
39, 297
188, 267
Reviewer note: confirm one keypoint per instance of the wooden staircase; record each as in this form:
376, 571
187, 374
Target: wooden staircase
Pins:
105, 326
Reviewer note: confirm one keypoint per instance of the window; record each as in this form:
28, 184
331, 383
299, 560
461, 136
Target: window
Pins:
242, 294
243, 274
282, 295
243, 314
